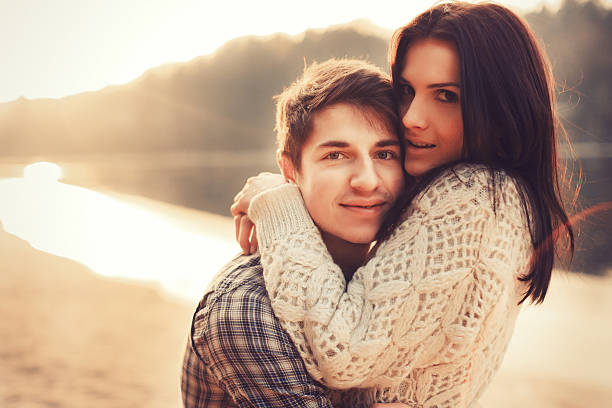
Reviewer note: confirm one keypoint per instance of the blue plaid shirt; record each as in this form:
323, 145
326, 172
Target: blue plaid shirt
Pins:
238, 355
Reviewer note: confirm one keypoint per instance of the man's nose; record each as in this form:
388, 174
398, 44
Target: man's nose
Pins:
414, 116
365, 176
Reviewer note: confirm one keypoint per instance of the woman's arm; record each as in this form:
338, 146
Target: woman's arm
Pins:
421, 301
245, 230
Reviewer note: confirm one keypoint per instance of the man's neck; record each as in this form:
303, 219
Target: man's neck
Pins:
347, 255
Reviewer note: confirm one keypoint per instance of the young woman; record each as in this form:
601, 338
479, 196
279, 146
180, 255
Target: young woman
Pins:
427, 320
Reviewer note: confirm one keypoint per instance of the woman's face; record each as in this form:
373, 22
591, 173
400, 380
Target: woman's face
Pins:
430, 108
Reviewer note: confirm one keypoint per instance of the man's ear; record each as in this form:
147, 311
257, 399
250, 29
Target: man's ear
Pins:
286, 166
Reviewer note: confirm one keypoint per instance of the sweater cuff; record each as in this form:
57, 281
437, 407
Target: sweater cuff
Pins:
278, 213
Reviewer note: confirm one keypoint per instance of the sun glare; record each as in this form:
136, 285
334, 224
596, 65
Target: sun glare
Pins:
42, 172
115, 237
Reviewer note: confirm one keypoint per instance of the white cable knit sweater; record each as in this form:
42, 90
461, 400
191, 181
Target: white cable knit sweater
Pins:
427, 320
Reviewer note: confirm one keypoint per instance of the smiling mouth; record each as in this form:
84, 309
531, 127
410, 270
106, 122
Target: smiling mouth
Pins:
420, 145
362, 206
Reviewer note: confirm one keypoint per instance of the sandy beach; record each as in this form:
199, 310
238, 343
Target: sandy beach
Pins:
71, 338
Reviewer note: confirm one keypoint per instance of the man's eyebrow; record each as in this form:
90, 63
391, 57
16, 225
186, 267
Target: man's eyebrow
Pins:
388, 142
333, 143
341, 144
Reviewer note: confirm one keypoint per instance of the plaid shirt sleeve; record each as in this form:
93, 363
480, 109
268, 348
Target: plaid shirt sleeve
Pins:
241, 343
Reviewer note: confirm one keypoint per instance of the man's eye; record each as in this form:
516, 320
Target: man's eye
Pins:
447, 96
333, 156
385, 155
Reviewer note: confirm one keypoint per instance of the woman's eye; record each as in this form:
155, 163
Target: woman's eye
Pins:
407, 92
406, 95
447, 96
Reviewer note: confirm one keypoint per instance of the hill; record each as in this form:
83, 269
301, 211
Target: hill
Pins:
219, 101
225, 100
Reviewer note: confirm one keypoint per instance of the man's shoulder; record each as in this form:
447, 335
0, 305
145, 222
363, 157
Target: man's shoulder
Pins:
236, 297
243, 273
239, 352
235, 320
211, 332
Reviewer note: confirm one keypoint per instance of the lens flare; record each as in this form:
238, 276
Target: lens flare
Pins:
42, 172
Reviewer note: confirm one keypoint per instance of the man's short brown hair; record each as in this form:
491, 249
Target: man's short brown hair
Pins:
334, 81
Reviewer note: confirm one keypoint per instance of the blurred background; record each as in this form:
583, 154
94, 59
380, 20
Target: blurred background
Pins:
127, 127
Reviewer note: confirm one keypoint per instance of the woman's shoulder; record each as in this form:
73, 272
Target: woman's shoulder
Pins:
473, 175
470, 184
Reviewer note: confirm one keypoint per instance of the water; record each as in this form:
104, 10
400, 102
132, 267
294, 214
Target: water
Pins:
113, 237
118, 238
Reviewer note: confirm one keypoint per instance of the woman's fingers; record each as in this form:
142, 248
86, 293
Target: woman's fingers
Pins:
252, 187
237, 219
254, 242
240, 205
244, 235
244, 228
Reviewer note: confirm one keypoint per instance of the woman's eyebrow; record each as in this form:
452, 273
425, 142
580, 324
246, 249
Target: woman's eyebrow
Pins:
404, 81
443, 84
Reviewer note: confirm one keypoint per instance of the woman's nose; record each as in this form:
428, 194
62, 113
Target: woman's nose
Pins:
414, 116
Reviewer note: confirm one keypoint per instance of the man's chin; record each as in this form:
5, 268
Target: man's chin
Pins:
360, 238
350, 236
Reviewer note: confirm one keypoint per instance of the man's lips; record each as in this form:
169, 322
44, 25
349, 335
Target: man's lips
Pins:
365, 209
365, 206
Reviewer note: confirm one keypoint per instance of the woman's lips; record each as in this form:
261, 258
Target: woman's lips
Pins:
420, 145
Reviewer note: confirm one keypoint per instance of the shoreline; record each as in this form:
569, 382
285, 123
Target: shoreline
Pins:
73, 338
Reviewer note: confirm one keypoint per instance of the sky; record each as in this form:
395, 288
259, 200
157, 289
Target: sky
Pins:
51, 49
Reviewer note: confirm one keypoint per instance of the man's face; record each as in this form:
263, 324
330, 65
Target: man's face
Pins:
351, 173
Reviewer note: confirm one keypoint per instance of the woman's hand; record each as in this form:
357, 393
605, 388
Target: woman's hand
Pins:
245, 230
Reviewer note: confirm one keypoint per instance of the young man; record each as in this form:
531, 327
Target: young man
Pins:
338, 144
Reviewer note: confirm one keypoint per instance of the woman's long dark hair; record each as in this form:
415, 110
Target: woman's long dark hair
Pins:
509, 120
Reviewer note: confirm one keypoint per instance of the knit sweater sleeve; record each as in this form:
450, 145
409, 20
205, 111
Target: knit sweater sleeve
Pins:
430, 296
